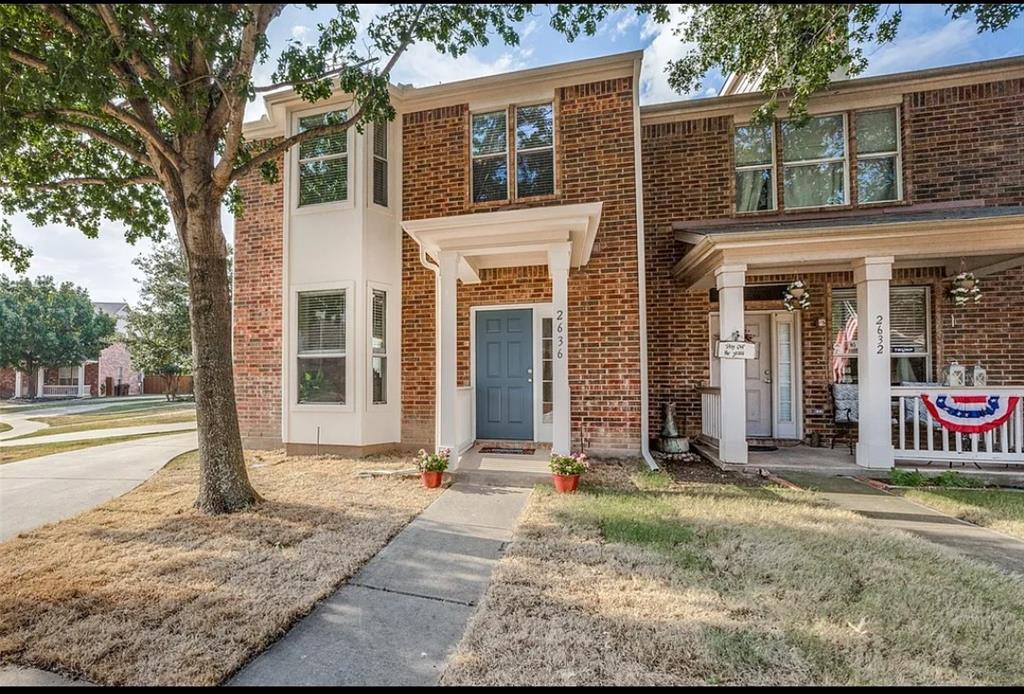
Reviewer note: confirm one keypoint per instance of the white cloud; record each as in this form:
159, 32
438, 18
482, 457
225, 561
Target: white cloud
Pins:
923, 49
665, 47
422, 65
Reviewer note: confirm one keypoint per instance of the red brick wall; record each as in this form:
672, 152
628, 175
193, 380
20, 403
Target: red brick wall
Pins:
594, 160
6, 383
963, 143
116, 363
257, 310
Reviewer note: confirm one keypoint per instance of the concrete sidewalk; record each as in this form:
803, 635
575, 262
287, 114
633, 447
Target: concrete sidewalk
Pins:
894, 511
100, 434
396, 622
42, 490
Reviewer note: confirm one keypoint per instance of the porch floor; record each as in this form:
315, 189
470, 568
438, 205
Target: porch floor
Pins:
839, 462
505, 468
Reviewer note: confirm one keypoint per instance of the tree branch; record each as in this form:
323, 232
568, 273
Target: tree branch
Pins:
329, 73
140, 66
27, 60
324, 130
89, 181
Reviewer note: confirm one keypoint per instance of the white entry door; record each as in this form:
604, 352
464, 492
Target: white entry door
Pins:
759, 372
759, 376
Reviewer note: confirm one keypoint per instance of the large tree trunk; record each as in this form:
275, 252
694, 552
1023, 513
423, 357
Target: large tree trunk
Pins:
224, 484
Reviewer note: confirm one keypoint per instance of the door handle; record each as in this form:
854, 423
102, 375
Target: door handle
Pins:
767, 378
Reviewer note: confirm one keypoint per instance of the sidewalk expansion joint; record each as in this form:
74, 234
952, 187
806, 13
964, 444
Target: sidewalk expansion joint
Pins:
413, 595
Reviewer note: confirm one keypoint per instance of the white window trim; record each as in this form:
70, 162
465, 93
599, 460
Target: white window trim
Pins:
514, 177
825, 160
372, 159
349, 201
474, 157
349, 289
772, 167
371, 287
885, 155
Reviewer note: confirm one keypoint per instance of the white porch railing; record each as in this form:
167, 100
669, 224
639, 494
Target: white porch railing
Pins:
464, 417
53, 391
711, 413
918, 437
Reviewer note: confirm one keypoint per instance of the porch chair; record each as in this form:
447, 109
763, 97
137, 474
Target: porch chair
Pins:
845, 413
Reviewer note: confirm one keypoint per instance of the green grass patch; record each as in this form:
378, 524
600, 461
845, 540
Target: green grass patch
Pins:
97, 422
949, 478
11, 454
4, 426
135, 401
998, 509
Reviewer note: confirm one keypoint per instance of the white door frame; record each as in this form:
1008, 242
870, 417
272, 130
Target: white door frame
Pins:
542, 431
779, 430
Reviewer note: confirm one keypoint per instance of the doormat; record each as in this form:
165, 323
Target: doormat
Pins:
508, 451
761, 447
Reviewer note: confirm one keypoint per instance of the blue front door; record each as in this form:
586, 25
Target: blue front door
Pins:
504, 374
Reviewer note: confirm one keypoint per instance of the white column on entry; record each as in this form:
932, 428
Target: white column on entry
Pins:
561, 417
447, 351
39, 382
732, 446
17, 384
81, 381
874, 393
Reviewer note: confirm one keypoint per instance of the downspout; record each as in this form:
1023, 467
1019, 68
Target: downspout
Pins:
433, 267
645, 405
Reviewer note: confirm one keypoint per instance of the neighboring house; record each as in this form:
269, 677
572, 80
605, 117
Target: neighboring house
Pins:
111, 374
535, 257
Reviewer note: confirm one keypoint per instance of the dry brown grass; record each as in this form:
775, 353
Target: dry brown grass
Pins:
145, 590
695, 582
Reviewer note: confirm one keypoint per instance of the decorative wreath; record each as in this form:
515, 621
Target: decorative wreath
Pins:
796, 296
965, 289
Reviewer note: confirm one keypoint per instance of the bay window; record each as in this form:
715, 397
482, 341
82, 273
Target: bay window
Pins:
321, 355
323, 162
379, 346
878, 156
755, 158
910, 335
814, 163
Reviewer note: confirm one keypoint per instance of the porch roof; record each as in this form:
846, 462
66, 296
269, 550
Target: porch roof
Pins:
508, 238
915, 235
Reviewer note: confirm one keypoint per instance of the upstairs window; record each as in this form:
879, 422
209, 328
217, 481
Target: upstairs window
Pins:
535, 150
878, 156
814, 162
380, 164
379, 346
322, 347
323, 162
755, 158
489, 153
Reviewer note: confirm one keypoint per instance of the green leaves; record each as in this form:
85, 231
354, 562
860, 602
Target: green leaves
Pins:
49, 325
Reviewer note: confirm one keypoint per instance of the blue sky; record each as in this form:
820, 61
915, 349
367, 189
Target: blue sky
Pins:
927, 39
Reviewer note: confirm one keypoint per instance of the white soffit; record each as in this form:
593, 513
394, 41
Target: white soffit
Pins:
509, 238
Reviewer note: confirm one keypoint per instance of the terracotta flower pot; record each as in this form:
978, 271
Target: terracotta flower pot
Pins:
565, 483
431, 479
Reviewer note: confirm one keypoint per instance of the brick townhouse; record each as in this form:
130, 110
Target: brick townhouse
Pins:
534, 257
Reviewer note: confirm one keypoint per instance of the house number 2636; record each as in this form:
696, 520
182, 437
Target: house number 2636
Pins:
880, 334
559, 334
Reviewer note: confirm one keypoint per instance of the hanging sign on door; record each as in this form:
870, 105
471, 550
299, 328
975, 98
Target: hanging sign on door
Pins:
735, 349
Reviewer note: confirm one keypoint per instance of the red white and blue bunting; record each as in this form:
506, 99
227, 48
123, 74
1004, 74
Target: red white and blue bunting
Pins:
970, 413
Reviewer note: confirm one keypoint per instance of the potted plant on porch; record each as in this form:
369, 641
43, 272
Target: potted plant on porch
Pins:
566, 471
432, 466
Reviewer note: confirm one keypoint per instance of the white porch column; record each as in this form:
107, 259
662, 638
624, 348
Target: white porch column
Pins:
447, 351
561, 417
17, 384
874, 394
39, 382
81, 381
732, 446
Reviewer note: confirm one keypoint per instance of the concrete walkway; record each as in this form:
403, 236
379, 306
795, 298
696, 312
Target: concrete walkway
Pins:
396, 622
896, 512
100, 434
21, 423
42, 490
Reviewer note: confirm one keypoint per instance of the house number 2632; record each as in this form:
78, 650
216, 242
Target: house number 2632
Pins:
880, 334
559, 334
